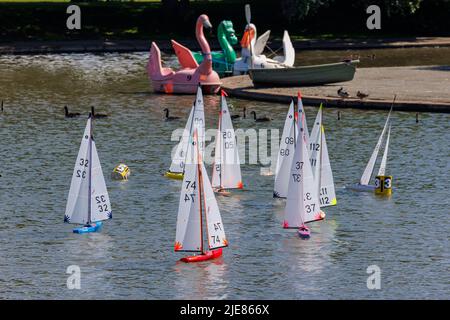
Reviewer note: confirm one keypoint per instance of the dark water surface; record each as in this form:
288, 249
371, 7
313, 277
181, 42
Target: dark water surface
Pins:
405, 235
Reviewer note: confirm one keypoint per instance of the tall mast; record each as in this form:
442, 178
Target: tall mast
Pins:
190, 134
319, 177
294, 137
221, 142
91, 131
200, 187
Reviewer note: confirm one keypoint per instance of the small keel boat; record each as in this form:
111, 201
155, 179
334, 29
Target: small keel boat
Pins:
196, 118
88, 201
320, 163
197, 208
226, 172
286, 153
302, 204
363, 184
303, 232
287, 147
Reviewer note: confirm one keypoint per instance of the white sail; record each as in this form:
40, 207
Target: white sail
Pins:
327, 193
100, 205
179, 157
285, 154
215, 230
77, 202
189, 222
302, 204
302, 117
316, 129
199, 120
77, 208
382, 170
320, 163
365, 178
227, 169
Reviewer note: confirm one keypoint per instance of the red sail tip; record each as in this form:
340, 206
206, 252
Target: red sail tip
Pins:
223, 93
299, 94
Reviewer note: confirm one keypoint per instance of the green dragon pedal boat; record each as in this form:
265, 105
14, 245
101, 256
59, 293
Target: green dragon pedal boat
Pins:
223, 61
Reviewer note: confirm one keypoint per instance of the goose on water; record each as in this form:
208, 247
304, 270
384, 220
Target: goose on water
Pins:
68, 114
97, 115
169, 118
262, 119
342, 93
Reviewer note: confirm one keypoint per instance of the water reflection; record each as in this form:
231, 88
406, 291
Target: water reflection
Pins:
205, 280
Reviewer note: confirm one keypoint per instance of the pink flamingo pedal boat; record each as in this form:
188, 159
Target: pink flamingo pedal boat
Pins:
191, 74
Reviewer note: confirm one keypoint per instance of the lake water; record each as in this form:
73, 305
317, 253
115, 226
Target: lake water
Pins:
406, 235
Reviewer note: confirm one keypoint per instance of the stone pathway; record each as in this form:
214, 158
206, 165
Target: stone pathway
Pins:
418, 88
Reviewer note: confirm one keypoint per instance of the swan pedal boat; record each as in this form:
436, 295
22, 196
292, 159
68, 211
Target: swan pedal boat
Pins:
223, 61
252, 49
191, 74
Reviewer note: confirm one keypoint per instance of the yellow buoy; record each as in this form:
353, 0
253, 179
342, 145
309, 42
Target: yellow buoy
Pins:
121, 172
383, 185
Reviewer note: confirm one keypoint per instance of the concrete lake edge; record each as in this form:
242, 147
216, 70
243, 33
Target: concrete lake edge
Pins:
242, 87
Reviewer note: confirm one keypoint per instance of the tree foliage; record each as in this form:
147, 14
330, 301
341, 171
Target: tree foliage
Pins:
297, 10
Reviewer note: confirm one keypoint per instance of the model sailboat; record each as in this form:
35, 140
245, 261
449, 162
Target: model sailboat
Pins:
226, 169
88, 202
196, 118
302, 203
198, 203
363, 184
320, 163
286, 151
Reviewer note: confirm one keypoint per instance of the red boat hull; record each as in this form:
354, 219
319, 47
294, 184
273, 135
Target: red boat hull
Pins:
203, 257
